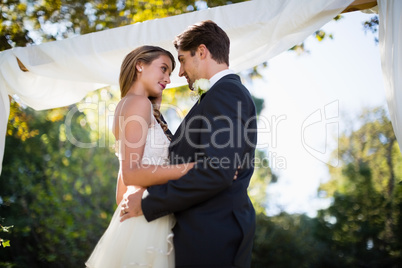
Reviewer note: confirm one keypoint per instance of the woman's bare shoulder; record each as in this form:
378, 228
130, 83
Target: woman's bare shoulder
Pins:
134, 105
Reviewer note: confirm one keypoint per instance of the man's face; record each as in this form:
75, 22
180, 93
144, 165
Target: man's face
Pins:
189, 66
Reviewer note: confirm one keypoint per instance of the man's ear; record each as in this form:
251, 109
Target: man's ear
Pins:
202, 51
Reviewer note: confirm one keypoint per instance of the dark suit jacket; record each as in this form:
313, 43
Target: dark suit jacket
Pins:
215, 218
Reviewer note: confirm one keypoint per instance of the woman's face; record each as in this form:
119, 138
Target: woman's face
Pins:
156, 76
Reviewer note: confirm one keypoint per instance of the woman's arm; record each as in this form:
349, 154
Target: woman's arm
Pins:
133, 131
121, 188
154, 174
148, 178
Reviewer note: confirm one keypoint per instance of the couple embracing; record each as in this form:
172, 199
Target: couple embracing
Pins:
182, 198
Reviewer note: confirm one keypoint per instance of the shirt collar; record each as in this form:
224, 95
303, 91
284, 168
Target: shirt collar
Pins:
218, 76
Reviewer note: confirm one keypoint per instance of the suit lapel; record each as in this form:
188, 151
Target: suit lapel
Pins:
193, 110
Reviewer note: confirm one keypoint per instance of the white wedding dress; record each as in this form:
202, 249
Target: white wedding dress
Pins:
136, 242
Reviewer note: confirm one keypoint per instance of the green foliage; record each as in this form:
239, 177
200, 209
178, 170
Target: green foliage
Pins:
262, 177
32, 21
12, 29
5, 242
363, 225
372, 26
58, 196
286, 241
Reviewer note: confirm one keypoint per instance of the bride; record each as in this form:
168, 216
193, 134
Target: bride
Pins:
142, 148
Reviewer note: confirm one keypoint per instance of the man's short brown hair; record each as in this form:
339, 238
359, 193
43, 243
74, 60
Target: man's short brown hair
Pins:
207, 33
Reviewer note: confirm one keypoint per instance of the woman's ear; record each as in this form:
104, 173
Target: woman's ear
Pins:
139, 67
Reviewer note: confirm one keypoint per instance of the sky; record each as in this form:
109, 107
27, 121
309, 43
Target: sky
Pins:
309, 100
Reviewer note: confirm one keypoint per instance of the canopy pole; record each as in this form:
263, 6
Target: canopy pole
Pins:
360, 5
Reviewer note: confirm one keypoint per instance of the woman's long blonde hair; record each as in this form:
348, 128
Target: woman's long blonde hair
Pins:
128, 72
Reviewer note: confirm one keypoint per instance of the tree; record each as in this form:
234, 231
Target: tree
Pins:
286, 241
363, 224
28, 22
58, 196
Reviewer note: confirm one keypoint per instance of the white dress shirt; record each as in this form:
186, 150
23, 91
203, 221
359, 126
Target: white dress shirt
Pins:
218, 76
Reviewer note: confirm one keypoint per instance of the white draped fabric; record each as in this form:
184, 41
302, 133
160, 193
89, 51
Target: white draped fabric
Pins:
63, 72
390, 39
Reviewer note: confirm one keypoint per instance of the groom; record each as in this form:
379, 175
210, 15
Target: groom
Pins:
215, 218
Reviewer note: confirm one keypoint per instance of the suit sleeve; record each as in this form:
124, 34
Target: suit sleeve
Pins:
226, 114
